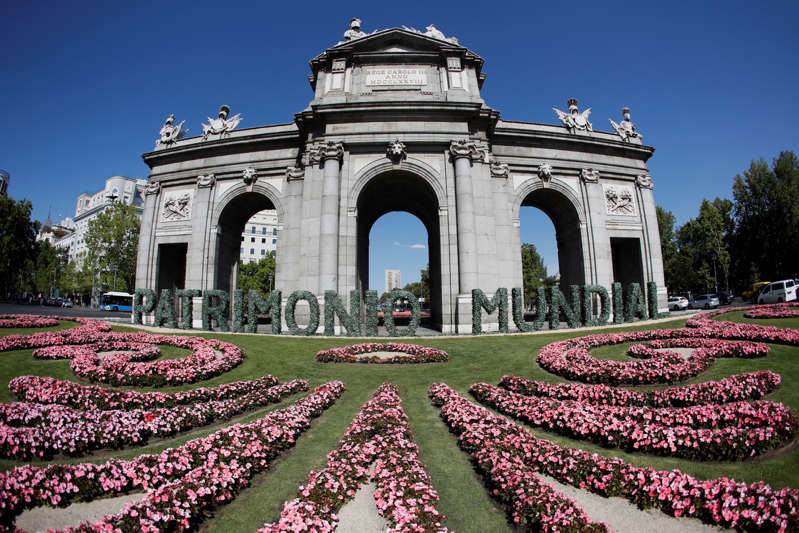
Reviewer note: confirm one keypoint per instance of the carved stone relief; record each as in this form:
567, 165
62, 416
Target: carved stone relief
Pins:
625, 128
619, 200
221, 125
249, 175
396, 151
177, 206
545, 172
589, 175
574, 121
153, 187
644, 181
295, 173
499, 170
206, 181
170, 134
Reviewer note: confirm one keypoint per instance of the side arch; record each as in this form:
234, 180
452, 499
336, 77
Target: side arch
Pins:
265, 189
560, 203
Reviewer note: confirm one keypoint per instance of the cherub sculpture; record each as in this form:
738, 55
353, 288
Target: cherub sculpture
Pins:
574, 120
221, 126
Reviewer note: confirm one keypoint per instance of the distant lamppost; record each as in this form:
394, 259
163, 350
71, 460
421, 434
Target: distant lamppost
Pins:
270, 278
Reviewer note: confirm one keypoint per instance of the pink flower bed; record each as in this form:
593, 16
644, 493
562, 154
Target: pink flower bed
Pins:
510, 458
706, 326
88, 331
378, 435
27, 321
773, 311
183, 484
34, 430
750, 386
358, 353
570, 358
43, 389
702, 432
209, 357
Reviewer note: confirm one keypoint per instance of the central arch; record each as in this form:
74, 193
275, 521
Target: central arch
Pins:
400, 190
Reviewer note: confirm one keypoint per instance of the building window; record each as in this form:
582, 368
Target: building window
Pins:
274, 231
241, 251
252, 251
242, 238
263, 241
263, 230
252, 239
274, 241
263, 252
253, 229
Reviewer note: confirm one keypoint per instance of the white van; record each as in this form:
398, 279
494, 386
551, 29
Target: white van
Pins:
779, 291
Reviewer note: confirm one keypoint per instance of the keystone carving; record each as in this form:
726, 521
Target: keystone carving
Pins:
499, 170
154, 187
589, 175
206, 181
545, 172
396, 151
644, 181
249, 175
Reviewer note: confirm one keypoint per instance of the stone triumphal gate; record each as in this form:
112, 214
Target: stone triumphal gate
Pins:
397, 123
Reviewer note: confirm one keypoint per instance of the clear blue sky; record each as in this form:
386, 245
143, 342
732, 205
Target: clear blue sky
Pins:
87, 85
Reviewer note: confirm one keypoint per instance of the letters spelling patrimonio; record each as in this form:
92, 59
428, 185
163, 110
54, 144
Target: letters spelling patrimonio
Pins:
588, 305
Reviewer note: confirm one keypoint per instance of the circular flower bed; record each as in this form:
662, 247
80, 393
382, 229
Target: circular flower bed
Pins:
360, 353
85, 345
774, 311
27, 321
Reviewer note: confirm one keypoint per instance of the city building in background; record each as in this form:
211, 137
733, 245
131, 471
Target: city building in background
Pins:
117, 189
259, 237
393, 279
5, 177
60, 235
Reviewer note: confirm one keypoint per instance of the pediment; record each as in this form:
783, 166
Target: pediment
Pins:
394, 40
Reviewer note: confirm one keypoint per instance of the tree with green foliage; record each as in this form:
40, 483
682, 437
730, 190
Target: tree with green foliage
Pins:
17, 238
77, 283
703, 260
258, 276
421, 288
766, 215
668, 247
47, 269
111, 247
534, 273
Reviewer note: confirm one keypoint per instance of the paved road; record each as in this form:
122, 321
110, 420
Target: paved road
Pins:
86, 312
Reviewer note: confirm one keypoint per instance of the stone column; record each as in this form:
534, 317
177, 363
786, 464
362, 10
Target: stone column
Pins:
145, 258
198, 253
330, 155
462, 153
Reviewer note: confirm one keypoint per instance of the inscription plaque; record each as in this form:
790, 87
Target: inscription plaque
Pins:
414, 77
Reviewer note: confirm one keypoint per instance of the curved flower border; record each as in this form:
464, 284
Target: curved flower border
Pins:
34, 430
28, 321
182, 483
511, 457
411, 354
774, 311
378, 435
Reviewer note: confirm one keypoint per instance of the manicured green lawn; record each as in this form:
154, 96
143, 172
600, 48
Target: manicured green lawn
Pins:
463, 497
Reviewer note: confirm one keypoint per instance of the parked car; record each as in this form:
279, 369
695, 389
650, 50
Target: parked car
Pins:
678, 303
751, 295
725, 298
779, 291
66, 303
705, 301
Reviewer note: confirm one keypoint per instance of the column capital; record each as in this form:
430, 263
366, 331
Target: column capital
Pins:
322, 151
465, 148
